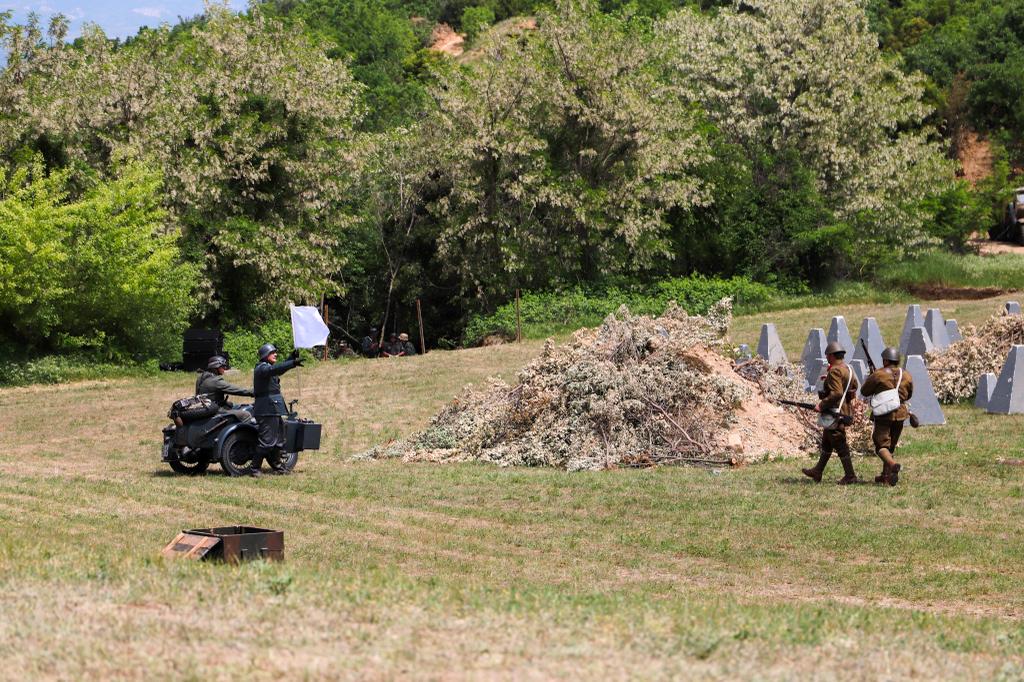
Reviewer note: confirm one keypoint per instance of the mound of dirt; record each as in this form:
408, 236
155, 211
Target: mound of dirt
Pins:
976, 157
635, 391
955, 371
444, 39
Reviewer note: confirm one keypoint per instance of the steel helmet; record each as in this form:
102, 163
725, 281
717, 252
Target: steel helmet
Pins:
835, 348
891, 354
216, 362
265, 350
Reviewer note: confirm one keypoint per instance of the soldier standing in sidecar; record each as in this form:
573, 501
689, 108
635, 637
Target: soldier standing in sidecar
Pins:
269, 408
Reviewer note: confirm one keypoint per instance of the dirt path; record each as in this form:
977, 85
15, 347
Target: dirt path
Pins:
987, 247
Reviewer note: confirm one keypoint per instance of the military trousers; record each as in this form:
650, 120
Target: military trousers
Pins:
886, 434
271, 437
834, 440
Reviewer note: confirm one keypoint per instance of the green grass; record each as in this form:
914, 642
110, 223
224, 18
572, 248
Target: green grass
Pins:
429, 571
837, 294
941, 269
794, 324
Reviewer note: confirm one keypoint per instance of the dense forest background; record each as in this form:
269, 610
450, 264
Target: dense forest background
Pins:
213, 171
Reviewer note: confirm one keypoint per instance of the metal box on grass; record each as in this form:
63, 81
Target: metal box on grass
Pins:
228, 543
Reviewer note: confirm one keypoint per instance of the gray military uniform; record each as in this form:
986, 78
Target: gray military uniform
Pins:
218, 389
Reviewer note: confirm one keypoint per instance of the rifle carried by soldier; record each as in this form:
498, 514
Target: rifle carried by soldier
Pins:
846, 420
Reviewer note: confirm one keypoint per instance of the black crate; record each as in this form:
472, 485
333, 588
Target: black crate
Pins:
199, 345
301, 435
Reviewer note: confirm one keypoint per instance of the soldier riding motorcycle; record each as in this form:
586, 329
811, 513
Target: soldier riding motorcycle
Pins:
212, 383
208, 428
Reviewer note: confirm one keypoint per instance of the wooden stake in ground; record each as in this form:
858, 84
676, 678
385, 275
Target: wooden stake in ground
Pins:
519, 322
419, 319
327, 321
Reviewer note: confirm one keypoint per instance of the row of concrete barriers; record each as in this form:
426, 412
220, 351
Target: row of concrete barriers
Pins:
921, 334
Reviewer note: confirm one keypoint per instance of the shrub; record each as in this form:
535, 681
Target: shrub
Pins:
55, 369
94, 272
544, 313
476, 20
242, 344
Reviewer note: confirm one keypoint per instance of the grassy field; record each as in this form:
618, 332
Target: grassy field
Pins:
943, 270
794, 324
470, 571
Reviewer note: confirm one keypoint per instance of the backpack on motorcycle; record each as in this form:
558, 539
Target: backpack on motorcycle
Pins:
192, 409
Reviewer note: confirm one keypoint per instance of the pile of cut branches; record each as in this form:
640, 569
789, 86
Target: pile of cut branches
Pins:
954, 372
635, 391
777, 383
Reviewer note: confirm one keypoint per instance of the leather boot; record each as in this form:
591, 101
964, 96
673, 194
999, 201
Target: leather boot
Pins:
884, 476
256, 464
849, 475
818, 469
894, 473
276, 464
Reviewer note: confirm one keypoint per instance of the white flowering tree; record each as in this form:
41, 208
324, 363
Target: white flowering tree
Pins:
248, 118
806, 76
564, 150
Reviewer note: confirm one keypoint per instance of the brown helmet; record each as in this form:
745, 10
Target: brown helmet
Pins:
835, 348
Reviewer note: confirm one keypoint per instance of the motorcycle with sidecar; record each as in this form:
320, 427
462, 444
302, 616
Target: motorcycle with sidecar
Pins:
199, 435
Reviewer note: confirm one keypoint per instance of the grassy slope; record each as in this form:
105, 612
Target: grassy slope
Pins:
470, 570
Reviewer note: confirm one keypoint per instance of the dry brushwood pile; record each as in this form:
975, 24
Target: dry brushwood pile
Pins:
776, 384
635, 391
955, 371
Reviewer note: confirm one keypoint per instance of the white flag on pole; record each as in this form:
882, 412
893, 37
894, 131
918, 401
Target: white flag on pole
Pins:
308, 328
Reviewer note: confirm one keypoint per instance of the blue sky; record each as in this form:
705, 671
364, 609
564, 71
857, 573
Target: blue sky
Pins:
120, 18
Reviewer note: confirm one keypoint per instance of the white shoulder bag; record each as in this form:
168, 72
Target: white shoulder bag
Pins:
888, 401
829, 420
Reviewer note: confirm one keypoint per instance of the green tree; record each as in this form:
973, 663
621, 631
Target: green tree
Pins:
377, 42
250, 121
476, 20
804, 80
563, 154
95, 271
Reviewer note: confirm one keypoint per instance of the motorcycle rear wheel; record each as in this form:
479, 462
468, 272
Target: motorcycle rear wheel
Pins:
186, 468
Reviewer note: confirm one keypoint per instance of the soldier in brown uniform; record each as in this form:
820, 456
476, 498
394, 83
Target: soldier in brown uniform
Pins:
839, 389
888, 427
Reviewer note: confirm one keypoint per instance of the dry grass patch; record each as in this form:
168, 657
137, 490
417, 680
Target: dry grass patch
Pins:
397, 570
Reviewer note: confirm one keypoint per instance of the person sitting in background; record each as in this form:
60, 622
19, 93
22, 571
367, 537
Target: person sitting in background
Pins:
369, 344
407, 344
393, 348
